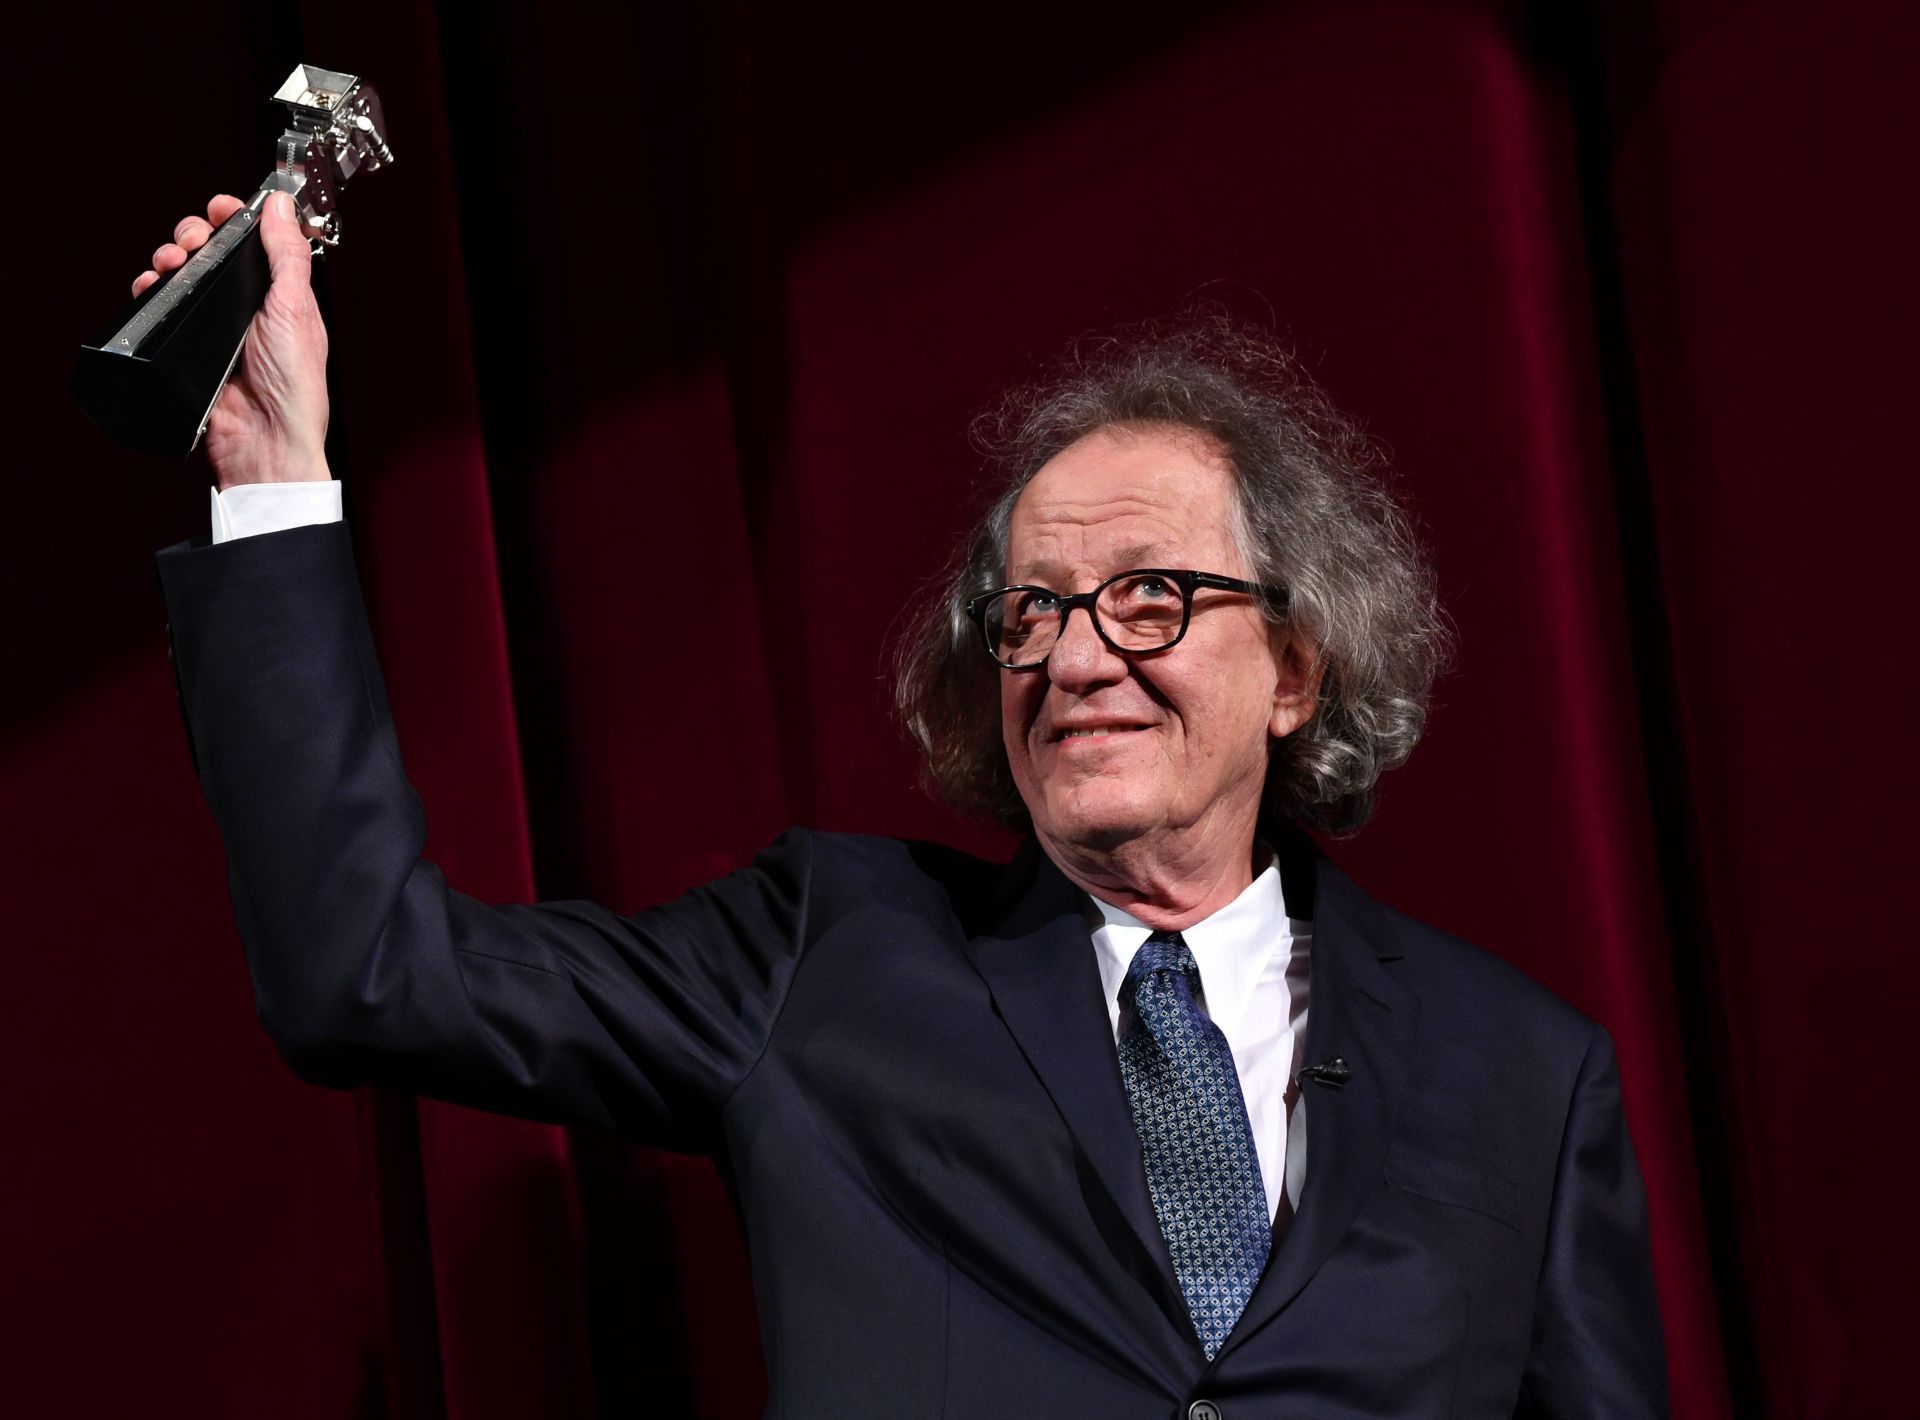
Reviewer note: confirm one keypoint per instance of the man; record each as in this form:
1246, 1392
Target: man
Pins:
1062, 1137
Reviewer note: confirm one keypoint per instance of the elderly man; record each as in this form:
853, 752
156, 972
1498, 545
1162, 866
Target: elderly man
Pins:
1061, 1137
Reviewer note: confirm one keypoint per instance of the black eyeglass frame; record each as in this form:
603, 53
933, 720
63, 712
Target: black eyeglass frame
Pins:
1187, 579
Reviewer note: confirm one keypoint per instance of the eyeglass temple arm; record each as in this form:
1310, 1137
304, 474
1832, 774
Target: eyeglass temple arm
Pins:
1276, 595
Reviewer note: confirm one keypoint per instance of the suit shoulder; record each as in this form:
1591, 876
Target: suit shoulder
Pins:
853, 869
1479, 989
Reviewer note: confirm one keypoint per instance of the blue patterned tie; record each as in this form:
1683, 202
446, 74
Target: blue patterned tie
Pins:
1202, 1172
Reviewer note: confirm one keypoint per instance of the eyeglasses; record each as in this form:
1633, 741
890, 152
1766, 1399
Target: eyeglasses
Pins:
1140, 612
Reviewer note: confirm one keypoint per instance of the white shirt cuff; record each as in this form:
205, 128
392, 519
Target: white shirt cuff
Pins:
249, 508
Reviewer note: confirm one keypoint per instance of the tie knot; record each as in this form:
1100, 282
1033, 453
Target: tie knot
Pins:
1162, 952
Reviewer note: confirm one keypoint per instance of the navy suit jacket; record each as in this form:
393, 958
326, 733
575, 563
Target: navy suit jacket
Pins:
902, 1057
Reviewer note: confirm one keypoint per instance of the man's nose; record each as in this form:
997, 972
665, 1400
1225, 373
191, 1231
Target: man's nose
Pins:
1081, 658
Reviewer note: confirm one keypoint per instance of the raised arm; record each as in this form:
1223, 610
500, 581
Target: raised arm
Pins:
367, 967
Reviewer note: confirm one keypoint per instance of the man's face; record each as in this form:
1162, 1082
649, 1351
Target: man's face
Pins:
1180, 739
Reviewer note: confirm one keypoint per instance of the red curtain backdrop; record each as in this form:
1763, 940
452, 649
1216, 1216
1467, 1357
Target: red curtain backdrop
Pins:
703, 296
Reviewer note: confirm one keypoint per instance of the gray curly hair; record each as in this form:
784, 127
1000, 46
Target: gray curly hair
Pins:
1311, 513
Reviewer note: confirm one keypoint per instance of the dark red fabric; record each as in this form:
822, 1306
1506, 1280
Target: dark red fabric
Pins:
700, 298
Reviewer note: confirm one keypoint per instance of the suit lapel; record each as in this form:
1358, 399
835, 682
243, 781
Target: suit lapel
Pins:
1039, 964
1359, 1012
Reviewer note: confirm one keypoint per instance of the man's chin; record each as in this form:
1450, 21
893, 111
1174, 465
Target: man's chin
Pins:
1096, 830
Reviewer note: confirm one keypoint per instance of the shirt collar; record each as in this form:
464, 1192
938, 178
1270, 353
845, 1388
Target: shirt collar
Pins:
1231, 947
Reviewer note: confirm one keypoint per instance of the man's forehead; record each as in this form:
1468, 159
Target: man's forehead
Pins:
1059, 557
1133, 512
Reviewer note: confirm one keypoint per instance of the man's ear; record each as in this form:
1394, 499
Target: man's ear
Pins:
1296, 690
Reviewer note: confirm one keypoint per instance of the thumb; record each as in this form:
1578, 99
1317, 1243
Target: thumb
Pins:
289, 257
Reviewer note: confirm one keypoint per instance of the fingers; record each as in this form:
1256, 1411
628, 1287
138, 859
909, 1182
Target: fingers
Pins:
164, 258
189, 235
289, 257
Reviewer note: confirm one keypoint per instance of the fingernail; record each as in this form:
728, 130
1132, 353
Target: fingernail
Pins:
283, 204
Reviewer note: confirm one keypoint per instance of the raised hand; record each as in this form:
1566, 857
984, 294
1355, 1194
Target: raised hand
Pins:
270, 423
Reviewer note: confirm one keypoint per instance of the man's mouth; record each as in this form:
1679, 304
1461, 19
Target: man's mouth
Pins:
1094, 732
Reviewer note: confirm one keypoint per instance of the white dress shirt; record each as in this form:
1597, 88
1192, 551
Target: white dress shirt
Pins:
1253, 962
1252, 956
249, 508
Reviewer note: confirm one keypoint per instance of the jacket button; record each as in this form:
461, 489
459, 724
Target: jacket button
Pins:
1203, 1410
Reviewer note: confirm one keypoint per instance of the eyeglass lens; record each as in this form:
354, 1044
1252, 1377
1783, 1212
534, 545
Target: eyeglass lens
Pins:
1139, 611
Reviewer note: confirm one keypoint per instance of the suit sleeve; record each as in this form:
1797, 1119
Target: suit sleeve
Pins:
368, 969
1598, 1351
